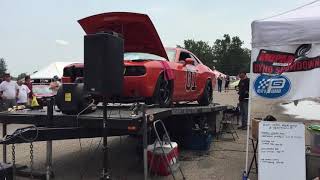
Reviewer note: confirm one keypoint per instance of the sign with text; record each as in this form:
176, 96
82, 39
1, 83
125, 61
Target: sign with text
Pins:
281, 151
281, 75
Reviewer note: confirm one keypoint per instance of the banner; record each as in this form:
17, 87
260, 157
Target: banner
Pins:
282, 75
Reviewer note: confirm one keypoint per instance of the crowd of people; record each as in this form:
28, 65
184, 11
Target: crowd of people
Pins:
15, 93
20, 93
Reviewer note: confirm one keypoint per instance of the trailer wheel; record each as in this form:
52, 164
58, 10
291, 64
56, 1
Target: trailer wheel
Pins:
207, 95
162, 93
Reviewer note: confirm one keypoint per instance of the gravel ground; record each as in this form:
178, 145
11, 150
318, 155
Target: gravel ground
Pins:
82, 159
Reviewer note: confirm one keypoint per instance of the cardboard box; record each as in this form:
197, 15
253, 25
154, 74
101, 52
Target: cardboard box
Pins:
255, 128
313, 165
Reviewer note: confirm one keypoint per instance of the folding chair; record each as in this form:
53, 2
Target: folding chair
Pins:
226, 125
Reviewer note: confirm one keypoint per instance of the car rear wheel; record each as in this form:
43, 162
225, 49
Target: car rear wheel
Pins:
162, 94
207, 95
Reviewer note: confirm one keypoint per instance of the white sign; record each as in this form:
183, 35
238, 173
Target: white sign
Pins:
281, 151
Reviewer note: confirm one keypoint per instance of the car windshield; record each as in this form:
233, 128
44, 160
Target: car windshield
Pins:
41, 90
135, 56
171, 53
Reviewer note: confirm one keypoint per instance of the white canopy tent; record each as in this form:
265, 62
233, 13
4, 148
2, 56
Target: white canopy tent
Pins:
285, 32
301, 25
53, 69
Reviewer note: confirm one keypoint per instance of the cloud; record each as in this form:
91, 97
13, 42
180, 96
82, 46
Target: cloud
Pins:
62, 42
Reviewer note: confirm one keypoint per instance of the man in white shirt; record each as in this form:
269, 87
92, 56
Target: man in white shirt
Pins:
9, 92
23, 93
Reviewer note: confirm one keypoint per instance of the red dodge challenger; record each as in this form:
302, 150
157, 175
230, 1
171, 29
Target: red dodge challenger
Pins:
153, 74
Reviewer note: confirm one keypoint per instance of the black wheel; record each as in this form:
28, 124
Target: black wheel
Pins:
207, 95
162, 94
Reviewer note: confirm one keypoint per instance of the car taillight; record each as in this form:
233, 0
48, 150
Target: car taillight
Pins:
66, 80
135, 70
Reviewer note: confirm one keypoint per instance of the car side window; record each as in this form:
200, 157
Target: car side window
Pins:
183, 56
196, 62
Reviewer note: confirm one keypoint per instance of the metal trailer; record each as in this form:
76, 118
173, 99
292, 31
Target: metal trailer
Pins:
51, 125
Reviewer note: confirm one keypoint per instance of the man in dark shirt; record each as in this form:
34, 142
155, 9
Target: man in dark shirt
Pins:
219, 83
243, 98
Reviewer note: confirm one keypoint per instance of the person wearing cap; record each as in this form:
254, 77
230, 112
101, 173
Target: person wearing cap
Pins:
243, 98
55, 84
9, 92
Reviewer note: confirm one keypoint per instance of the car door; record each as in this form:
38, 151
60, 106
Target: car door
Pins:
185, 85
179, 71
198, 75
192, 84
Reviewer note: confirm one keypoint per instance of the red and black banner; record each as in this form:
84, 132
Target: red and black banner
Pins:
276, 62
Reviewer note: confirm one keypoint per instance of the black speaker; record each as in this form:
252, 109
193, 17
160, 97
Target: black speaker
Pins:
103, 64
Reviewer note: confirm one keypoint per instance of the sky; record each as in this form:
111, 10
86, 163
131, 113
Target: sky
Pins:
34, 34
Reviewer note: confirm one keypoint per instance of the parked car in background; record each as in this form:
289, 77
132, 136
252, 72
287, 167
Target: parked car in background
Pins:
234, 85
41, 91
233, 78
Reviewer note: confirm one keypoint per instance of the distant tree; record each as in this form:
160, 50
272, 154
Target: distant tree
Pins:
226, 55
230, 56
21, 76
3, 67
201, 49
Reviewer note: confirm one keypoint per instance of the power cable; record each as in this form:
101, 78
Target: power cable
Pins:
290, 10
94, 152
77, 119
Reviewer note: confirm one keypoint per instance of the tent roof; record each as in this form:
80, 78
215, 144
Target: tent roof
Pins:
51, 70
298, 26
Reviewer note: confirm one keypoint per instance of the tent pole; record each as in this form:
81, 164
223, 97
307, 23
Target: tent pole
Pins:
249, 115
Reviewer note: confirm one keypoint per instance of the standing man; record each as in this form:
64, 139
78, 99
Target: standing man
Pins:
9, 92
226, 85
219, 83
23, 93
28, 83
243, 98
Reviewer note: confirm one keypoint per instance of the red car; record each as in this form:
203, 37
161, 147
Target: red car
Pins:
41, 92
153, 74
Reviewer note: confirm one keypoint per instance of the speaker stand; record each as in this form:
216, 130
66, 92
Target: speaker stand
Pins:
105, 175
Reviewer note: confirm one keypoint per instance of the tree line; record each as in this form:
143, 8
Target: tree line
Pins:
3, 70
226, 55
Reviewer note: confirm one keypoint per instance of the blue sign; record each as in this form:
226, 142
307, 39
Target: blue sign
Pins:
272, 86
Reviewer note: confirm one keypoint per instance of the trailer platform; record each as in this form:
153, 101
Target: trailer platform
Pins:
49, 125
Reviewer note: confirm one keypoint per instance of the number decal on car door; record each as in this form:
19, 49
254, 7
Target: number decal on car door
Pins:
191, 81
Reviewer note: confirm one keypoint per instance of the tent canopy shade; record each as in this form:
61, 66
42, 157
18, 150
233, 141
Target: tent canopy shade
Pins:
53, 69
298, 26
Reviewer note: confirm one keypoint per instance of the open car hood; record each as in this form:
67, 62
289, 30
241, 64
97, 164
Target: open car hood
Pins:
137, 30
